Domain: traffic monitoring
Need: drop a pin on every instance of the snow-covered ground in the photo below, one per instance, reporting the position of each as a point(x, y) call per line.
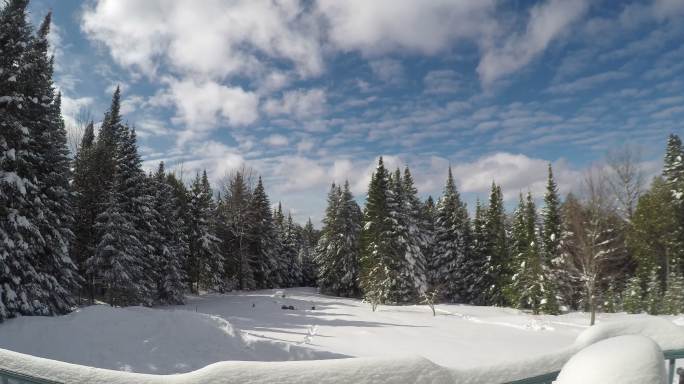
point(251, 326)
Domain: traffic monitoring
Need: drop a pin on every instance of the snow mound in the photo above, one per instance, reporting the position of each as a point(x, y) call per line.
point(662, 331)
point(628, 359)
point(357, 371)
point(143, 340)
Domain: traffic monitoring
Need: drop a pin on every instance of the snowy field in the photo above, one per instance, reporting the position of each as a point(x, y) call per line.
point(252, 326)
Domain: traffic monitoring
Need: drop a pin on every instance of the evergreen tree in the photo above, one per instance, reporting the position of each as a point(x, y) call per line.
point(263, 241)
point(478, 282)
point(416, 234)
point(654, 293)
point(377, 255)
point(633, 296)
point(307, 254)
point(337, 251)
point(452, 242)
point(290, 253)
point(499, 263)
point(673, 173)
point(86, 206)
point(528, 283)
point(19, 234)
point(610, 299)
point(170, 244)
point(204, 252)
point(235, 232)
point(673, 299)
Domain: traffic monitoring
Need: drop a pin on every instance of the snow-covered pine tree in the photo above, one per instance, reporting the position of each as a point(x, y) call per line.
point(51, 210)
point(407, 252)
point(203, 244)
point(610, 299)
point(632, 298)
point(283, 254)
point(554, 274)
point(19, 236)
point(673, 173)
point(528, 281)
point(480, 283)
point(673, 299)
point(291, 240)
point(452, 242)
point(169, 242)
point(263, 241)
point(307, 253)
point(234, 232)
point(85, 203)
point(337, 251)
point(499, 261)
point(654, 293)
point(416, 234)
point(429, 214)
point(377, 254)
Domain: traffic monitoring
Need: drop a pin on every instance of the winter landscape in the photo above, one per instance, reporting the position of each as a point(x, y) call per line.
point(445, 191)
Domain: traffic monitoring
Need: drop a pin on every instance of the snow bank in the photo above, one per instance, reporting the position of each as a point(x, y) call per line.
point(359, 371)
point(664, 332)
point(629, 359)
point(143, 340)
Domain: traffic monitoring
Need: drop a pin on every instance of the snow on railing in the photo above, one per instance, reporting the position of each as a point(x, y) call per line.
point(17, 368)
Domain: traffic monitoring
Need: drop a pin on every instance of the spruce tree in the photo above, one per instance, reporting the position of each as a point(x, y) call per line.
point(499, 263)
point(204, 246)
point(416, 234)
point(377, 254)
point(633, 296)
point(307, 254)
point(673, 299)
point(263, 241)
point(654, 293)
point(170, 244)
point(479, 282)
point(234, 230)
point(18, 233)
point(337, 251)
point(673, 173)
point(452, 243)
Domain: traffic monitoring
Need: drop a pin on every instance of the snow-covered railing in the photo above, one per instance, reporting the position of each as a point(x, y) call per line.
point(671, 357)
point(17, 368)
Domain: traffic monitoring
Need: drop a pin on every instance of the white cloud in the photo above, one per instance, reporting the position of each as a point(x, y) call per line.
point(203, 105)
point(298, 103)
point(547, 22)
point(514, 172)
point(380, 26)
point(390, 71)
point(441, 81)
point(215, 39)
point(276, 140)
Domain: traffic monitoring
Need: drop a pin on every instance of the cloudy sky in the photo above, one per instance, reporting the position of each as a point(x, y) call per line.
point(310, 92)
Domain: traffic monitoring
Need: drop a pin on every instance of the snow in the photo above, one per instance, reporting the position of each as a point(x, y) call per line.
point(630, 359)
point(462, 343)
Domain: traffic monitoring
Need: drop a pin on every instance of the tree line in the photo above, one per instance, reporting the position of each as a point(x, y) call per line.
point(613, 246)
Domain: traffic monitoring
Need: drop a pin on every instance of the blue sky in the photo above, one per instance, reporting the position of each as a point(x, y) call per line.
point(310, 92)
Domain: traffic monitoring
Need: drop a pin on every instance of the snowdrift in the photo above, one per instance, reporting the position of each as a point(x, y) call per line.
point(146, 340)
point(408, 369)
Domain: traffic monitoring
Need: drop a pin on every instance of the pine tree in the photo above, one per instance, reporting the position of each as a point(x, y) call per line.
point(234, 230)
point(337, 251)
point(673, 299)
point(416, 234)
point(377, 254)
point(610, 299)
point(204, 253)
point(290, 253)
point(263, 242)
point(654, 293)
point(452, 242)
point(478, 281)
point(528, 283)
point(170, 244)
point(19, 235)
point(307, 254)
point(633, 296)
point(673, 173)
point(499, 263)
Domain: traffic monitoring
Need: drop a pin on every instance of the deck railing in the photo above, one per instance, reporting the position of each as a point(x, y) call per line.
point(671, 356)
